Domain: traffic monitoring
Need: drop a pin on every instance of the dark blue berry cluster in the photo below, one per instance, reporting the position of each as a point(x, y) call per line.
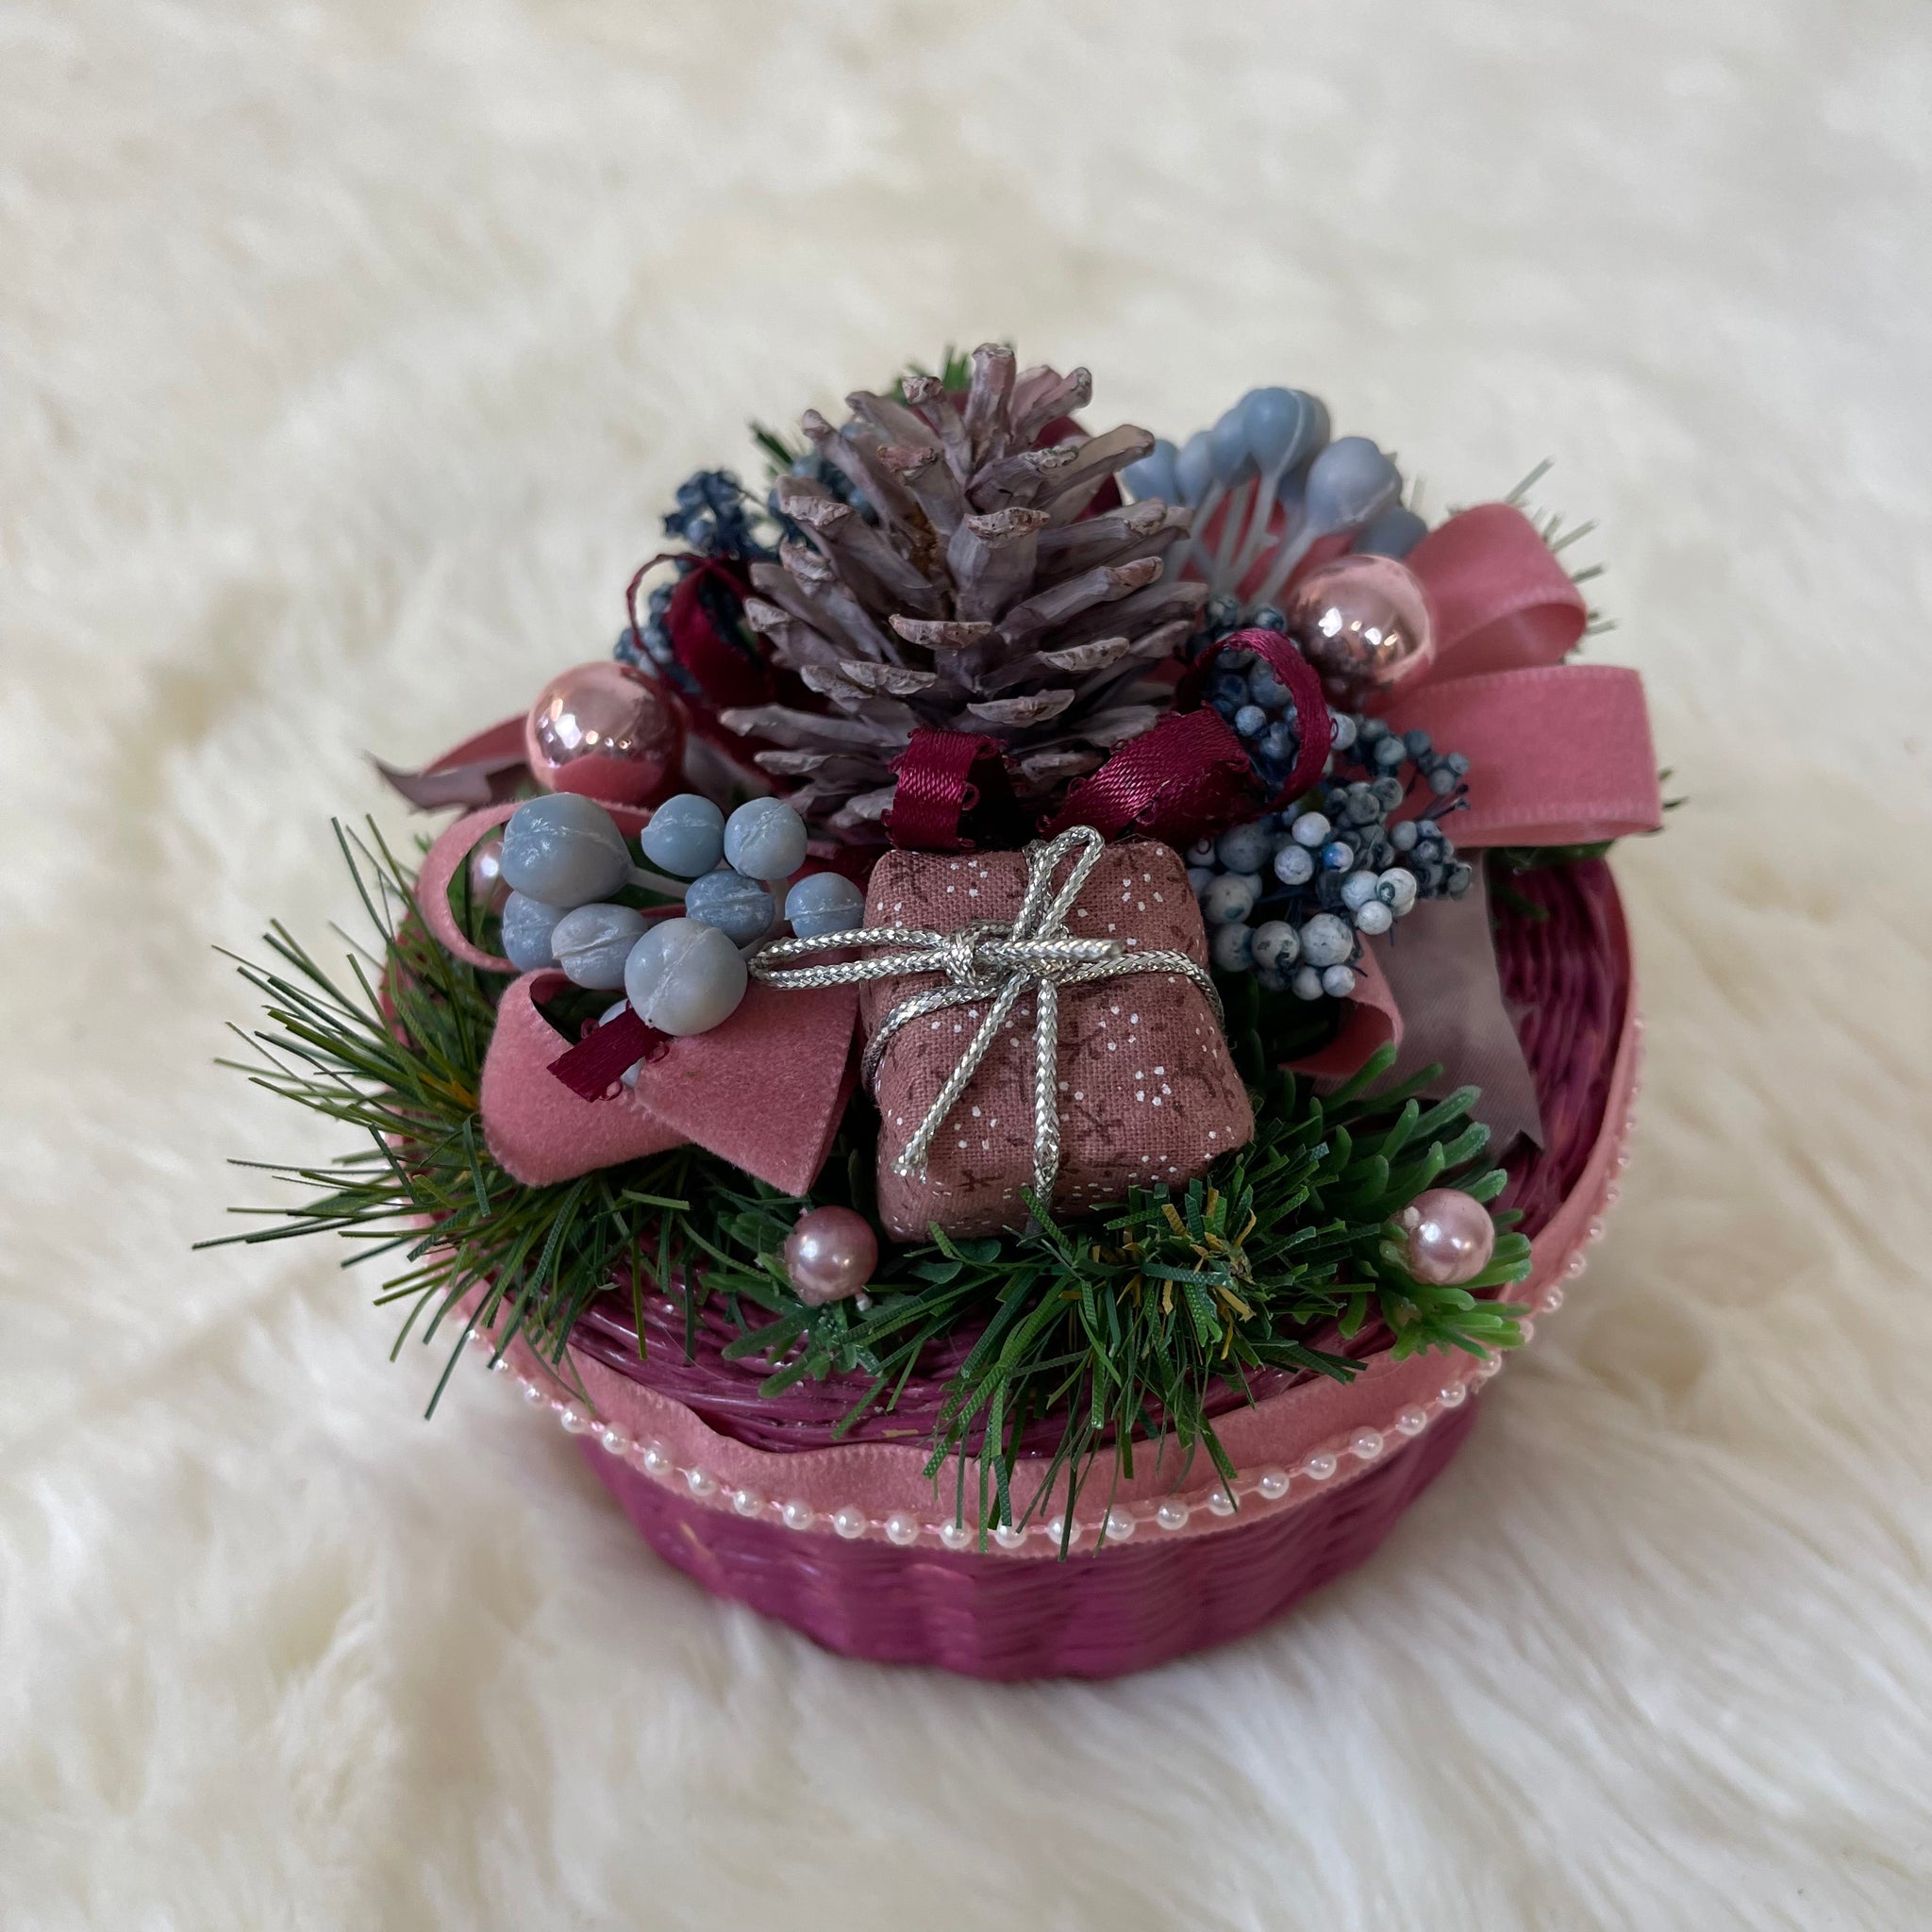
point(714, 517)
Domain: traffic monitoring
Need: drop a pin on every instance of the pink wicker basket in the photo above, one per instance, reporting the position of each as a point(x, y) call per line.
point(847, 1541)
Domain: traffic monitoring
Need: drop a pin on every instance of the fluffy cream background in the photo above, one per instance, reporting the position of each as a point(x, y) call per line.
point(346, 355)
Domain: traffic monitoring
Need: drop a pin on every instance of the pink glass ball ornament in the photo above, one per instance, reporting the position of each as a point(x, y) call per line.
point(489, 889)
point(606, 730)
point(1451, 1237)
point(829, 1255)
point(1364, 623)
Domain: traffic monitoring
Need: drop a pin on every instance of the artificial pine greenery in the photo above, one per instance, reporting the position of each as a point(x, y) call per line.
point(1131, 1324)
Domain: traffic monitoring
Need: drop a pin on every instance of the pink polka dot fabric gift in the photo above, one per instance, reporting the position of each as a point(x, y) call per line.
point(1146, 1090)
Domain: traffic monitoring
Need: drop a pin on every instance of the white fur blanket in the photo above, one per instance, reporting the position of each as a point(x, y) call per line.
point(348, 353)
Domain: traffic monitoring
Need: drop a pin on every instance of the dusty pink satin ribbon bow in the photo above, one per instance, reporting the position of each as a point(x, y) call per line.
point(1558, 754)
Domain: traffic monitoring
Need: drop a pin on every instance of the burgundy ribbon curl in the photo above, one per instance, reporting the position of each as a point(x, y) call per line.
point(1191, 775)
point(600, 1058)
point(944, 776)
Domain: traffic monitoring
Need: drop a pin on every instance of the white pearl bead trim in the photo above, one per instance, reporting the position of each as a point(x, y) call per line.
point(1122, 1520)
point(1267, 1488)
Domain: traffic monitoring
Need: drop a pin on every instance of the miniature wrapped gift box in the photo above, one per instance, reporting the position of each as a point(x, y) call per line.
point(1146, 1090)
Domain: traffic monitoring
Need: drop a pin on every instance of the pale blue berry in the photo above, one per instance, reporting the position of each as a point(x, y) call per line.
point(1442, 781)
point(741, 908)
point(1387, 752)
point(1311, 829)
point(1460, 880)
point(1387, 793)
point(1373, 917)
point(1275, 946)
point(593, 942)
point(1360, 889)
point(565, 850)
point(1362, 807)
point(1203, 852)
point(1306, 984)
point(1342, 729)
point(1200, 878)
point(1295, 865)
point(1403, 837)
point(1326, 941)
point(1250, 721)
point(823, 902)
point(1228, 900)
point(1396, 889)
point(1233, 948)
point(1265, 687)
point(528, 924)
point(1244, 848)
point(1394, 533)
point(1338, 982)
point(686, 836)
point(683, 978)
point(1417, 743)
point(1279, 743)
point(765, 839)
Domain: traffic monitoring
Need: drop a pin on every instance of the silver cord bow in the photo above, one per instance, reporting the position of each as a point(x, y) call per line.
point(994, 963)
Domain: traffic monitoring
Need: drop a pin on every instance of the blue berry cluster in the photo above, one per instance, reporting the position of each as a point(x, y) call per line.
point(1292, 896)
point(714, 517)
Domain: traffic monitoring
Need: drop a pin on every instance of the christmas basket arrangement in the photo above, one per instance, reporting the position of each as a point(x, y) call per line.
point(1013, 1062)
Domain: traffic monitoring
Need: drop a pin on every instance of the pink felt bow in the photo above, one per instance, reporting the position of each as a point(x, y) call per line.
point(766, 1090)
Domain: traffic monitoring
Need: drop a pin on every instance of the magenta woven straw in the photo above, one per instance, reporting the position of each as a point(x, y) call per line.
point(894, 1591)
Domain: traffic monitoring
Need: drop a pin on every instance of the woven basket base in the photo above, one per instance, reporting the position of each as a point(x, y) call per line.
point(1099, 1615)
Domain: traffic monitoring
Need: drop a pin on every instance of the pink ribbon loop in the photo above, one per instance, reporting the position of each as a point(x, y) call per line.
point(1560, 754)
point(481, 770)
point(1501, 598)
point(451, 852)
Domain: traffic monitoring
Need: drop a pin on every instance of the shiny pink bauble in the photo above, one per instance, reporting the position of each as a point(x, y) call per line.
point(1364, 623)
point(489, 889)
point(607, 731)
point(1451, 1237)
point(829, 1255)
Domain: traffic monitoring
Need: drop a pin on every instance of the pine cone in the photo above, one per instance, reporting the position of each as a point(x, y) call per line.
point(976, 595)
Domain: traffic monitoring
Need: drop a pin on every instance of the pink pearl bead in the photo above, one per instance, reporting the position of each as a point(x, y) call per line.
point(1451, 1237)
point(604, 729)
point(1363, 622)
point(830, 1254)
